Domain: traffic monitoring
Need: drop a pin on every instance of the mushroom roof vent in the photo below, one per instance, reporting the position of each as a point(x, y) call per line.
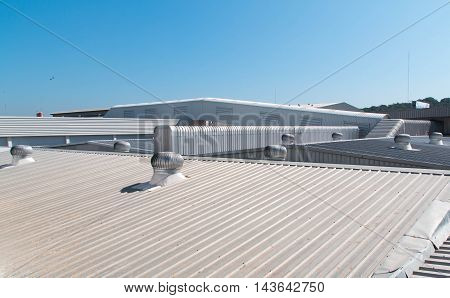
point(288, 139)
point(21, 154)
point(337, 136)
point(122, 146)
point(167, 161)
point(21, 150)
point(436, 138)
point(275, 152)
point(403, 142)
point(166, 169)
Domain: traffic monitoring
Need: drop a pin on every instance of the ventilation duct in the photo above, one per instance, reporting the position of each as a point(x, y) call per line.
point(202, 140)
point(21, 154)
point(337, 136)
point(122, 146)
point(275, 152)
point(166, 169)
point(436, 138)
point(403, 142)
point(288, 139)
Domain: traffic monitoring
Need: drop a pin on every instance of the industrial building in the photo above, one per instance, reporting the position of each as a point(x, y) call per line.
point(439, 115)
point(247, 113)
point(49, 131)
point(223, 188)
point(138, 121)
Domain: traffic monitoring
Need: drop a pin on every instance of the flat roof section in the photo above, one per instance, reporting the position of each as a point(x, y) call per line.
point(65, 215)
point(425, 155)
point(257, 104)
point(61, 126)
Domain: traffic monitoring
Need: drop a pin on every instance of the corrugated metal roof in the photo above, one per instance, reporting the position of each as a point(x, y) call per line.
point(317, 105)
point(144, 146)
point(198, 140)
point(429, 156)
point(62, 126)
point(426, 140)
point(65, 215)
point(343, 106)
point(438, 264)
point(259, 104)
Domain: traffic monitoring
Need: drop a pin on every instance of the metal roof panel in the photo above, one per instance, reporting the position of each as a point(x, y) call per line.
point(65, 215)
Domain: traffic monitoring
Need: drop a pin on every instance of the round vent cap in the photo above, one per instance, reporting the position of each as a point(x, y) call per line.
point(122, 146)
point(402, 138)
point(275, 152)
point(288, 139)
point(337, 136)
point(436, 138)
point(21, 150)
point(167, 161)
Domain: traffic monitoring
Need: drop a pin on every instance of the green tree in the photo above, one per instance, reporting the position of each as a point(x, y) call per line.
point(430, 100)
point(445, 101)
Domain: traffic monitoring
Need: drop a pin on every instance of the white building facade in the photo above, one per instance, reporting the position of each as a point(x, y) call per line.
point(247, 113)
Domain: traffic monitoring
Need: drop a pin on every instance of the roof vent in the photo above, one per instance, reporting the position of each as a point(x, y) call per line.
point(337, 136)
point(122, 146)
point(403, 142)
point(166, 168)
point(275, 152)
point(436, 138)
point(288, 139)
point(21, 154)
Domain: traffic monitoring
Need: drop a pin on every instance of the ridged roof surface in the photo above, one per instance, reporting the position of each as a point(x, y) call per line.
point(68, 126)
point(257, 104)
point(438, 264)
point(65, 216)
point(426, 155)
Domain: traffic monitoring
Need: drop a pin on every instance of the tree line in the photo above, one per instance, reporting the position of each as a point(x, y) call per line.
point(407, 106)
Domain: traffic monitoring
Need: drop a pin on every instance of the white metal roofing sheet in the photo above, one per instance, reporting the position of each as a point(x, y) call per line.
point(433, 156)
point(258, 104)
point(65, 215)
point(67, 126)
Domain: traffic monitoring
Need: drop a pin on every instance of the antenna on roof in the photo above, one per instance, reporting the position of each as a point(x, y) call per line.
point(407, 91)
point(275, 95)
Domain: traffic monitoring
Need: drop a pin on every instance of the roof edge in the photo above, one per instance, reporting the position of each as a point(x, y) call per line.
point(269, 162)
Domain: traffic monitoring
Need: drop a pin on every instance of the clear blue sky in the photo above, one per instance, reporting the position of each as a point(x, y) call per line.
point(230, 49)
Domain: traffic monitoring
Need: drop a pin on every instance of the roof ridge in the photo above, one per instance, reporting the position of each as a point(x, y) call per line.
point(266, 162)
